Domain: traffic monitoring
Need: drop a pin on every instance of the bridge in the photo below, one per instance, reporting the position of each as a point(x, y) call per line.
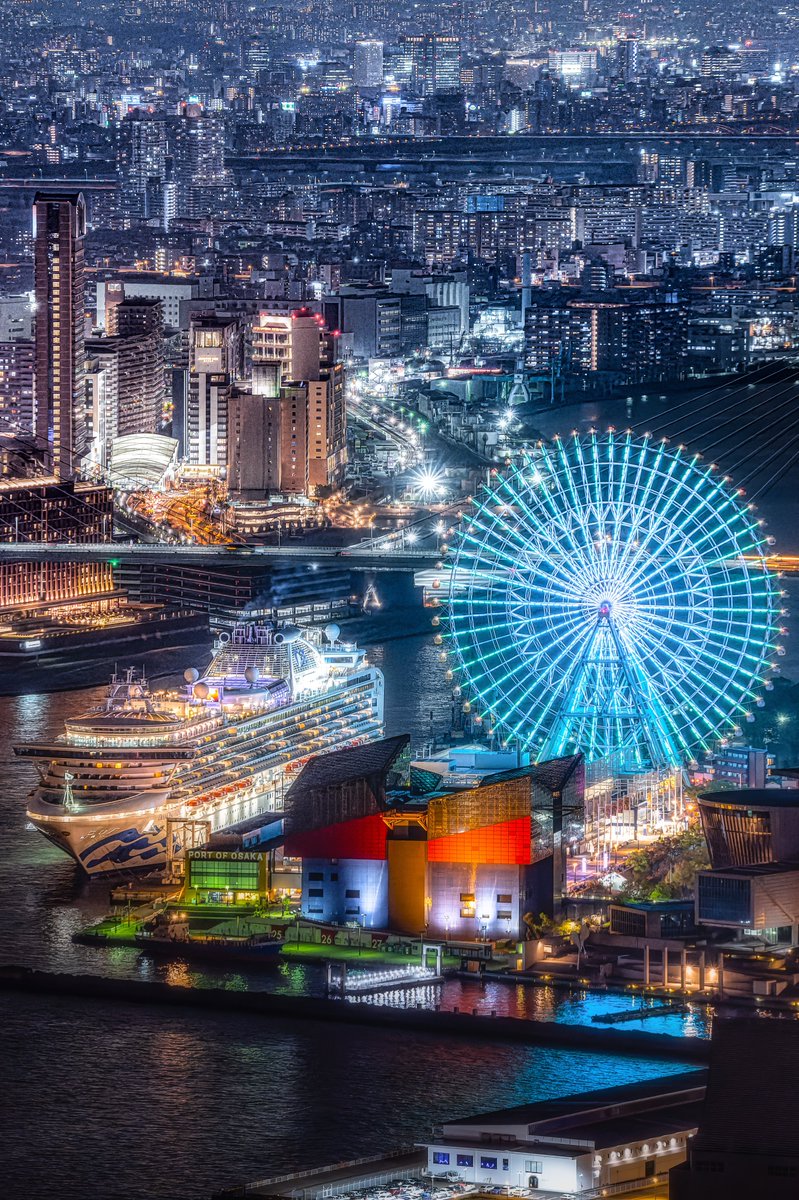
point(383, 553)
point(364, 556)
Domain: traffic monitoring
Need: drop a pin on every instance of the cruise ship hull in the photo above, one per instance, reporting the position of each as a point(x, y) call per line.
point(133, 784)
point(132, 834)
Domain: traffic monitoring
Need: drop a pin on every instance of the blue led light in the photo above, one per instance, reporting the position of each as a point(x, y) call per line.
point(601, 601)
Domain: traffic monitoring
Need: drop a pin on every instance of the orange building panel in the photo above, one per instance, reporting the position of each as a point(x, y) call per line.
point(506, 842)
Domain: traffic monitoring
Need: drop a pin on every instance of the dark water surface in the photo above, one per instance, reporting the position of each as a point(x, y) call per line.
point(116, 1101)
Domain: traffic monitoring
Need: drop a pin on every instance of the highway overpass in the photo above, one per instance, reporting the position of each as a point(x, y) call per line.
point(362, 557)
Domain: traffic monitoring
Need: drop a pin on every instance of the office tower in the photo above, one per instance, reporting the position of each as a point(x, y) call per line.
point(59, 379)
point(720, 62)
point(142, 164)
point(368, 64)
point(215, 361)
point(435, 63)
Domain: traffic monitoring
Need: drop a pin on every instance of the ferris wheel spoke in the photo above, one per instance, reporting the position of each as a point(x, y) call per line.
point(556, 521)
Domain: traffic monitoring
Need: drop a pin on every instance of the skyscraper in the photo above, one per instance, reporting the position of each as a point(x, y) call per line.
point(59, 381)
point(142, 164)
point(368, 64)
point(435, 63)
point(215, 361)
point(197, 143)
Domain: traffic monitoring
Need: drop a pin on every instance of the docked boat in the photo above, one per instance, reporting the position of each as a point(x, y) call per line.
point(136, 780)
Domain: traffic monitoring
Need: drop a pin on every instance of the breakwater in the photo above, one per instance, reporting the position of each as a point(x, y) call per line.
point(419, 1020)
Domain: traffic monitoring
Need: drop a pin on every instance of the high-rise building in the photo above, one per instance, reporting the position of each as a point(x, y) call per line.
point(59, 378)
point(628, 58)
point(142, 164)
point(126, 376)
point(215, 362)
point(435, 63)
point(197, 142)
point(368, 64)
point(303, 434)
point(16, 383)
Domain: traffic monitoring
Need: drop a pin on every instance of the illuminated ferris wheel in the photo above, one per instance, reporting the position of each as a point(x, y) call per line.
point(612, 595)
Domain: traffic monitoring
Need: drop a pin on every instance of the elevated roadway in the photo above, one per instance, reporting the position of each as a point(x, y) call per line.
point(383, 553)
point(361, 557)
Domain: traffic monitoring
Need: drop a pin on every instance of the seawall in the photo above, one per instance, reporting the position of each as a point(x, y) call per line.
point(420, 1020)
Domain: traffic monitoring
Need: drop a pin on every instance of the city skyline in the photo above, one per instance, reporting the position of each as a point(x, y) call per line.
point(399, 451)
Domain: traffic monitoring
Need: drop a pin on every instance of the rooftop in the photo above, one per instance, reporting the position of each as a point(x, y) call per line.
point(356, 762)
point(568, 1111)
point(754, 797)
point(752, 1103)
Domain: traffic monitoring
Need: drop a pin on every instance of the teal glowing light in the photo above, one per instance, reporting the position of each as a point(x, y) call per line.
point(612, 595)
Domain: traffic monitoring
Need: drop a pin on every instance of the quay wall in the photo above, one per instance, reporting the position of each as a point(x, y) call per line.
point(420, 1020)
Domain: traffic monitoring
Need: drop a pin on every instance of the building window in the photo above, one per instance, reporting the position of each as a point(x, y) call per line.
point(504, 898)
point(506, 1164)
point(534, 1166)
point(488, 1164)
point(504, 915)
point(316, 891)
point(352, 911)
point(465, 1160)
point(315, 876)
point(440, 1158)
point(351, 895)
point(315, 908)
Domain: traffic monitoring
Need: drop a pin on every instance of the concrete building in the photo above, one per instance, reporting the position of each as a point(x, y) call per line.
point(742, 766)
point(753, 841)
point(59, 228)
point(215, 362)
point(601, 1139)
point(171, 293)
point(295, 359)
point(367, 69)
point(17, 359)
point(16, 318)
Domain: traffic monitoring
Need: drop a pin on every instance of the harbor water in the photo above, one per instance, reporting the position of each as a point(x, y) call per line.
point(134, 1103)
point(127, 1102)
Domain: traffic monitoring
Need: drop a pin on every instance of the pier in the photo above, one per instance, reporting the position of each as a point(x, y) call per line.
point(640, 1014)
point(373, 983)
point(297, 1008)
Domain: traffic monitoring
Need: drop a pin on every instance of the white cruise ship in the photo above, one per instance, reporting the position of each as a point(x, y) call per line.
point(134, 781)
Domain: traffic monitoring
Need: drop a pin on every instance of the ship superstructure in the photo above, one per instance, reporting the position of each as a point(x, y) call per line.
point(122, 784)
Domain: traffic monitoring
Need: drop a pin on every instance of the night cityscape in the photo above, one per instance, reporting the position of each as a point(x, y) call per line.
point(399, 462)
